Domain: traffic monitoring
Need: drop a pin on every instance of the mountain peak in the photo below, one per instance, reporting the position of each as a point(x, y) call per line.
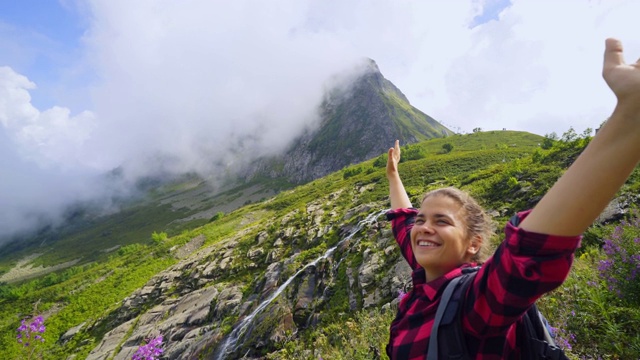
point(357, 123)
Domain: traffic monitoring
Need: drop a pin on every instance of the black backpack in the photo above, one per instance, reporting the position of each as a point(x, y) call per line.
point(447, 339)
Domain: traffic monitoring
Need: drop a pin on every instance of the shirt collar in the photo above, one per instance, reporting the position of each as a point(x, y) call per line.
point(430, 289)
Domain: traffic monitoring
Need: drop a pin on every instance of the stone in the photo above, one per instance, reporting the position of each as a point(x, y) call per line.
point(110, 341)
point(71, 332)
point(262, 237)
point(255, 254)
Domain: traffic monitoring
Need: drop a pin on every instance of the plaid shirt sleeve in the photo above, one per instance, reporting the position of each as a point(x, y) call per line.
point(402, 221)
point(524, 267)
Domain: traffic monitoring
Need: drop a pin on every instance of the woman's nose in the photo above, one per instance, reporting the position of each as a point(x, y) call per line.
point(425, 227)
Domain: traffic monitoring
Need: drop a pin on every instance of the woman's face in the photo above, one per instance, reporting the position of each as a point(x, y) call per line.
point(439, 237)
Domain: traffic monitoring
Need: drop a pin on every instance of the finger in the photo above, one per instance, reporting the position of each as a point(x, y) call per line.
point(613, 53)
point(397, 145)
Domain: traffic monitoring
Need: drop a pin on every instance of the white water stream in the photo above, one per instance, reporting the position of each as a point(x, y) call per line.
point(231, 341)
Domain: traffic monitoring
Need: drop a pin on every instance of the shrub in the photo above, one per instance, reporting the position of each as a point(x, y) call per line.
point(549, 140)
point(159, 238)
point(351, 172)
point(447, 148)
point(381, 161)
point(621, 266)
point(129, 249)
point(219, 215)
point(413, 153)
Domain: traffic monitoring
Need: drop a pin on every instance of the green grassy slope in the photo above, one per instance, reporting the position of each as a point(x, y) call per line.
point(505, 170)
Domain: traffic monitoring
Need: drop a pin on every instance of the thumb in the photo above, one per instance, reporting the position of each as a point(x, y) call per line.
point(612, 54)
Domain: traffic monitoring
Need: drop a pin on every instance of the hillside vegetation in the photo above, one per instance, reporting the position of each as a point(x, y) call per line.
point(195, 286)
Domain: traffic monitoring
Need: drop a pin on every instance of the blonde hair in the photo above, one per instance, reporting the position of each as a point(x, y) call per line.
point(477, 221)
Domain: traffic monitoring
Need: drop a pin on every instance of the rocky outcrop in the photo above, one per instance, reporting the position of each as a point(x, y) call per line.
point(197, 302)
point(356, 123)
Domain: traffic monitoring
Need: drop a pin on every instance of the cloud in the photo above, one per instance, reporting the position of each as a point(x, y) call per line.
point(538, 68)
point(200, 81)
point(201, 86)
point(50, 137)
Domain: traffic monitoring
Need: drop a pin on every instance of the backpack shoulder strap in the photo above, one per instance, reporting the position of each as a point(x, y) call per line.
point(447, 337)
point(538, 342)
point(447, 314)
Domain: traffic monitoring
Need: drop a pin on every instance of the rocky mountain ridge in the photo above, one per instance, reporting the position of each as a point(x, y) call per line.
point(357, 123)
point(189, 304)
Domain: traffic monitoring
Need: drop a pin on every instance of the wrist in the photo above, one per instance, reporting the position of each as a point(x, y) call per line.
point(628, 109)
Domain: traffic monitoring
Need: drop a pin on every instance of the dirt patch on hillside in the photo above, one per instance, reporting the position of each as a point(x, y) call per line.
point(24, 269)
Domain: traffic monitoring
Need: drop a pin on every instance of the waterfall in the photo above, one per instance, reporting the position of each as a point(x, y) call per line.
point(230, 342)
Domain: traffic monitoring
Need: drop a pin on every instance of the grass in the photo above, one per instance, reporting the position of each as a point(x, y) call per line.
point(482, 163)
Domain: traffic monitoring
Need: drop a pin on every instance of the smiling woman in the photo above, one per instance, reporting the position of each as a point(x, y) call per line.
point(442, 239)
point(446, 215)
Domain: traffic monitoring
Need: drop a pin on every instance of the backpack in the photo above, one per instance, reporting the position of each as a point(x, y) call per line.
point(447, 339)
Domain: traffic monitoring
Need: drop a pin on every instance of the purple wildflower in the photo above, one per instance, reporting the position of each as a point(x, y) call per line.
point(621, 266)
point(563, 343)
point(401, 294)
point(151, 351)
point(26, 331)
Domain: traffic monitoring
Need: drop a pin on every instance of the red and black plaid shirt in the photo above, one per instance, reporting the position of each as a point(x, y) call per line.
point(524, 267)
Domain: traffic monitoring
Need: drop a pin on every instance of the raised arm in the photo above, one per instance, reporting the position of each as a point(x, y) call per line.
point(584, 190)
point(397, 194)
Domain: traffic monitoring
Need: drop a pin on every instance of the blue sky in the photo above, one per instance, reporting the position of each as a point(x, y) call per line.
point(205, 86)
point(41, 39)
point(490, 11)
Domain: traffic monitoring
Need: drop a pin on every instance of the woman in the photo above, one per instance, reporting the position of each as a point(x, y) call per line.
point(449, 232)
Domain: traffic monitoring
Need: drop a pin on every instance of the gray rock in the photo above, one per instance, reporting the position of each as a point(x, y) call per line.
point(228, 302)
point(71, 332)
point(255, 254)
point(191, 246)
point(262, 237)
point(110, 341)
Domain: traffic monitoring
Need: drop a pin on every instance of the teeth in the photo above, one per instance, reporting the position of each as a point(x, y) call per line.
point(426, 243)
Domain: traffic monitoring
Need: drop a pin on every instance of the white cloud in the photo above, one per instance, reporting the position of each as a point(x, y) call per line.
point(538, 68)
point(193, 84)
point(50, 137)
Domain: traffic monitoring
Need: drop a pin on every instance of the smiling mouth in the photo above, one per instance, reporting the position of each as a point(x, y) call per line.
point(425, 243)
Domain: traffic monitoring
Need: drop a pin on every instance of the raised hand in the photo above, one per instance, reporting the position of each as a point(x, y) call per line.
point(393, 159)
point(622, 78)
point(397, 194)
point(584, 190)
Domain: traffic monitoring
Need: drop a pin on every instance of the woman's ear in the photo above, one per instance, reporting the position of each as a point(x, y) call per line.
point(474, 245)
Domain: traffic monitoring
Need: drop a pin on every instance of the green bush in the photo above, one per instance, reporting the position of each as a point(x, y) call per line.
point(219, 215)
point(413, 152)
point(549, 140)
point(381, 161)
point(352, 171)
point(621, 266)
point(130, 249)
point(159, 238)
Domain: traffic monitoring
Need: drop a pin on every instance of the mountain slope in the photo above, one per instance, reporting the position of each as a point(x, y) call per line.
point(195, 288)
point(356, 124)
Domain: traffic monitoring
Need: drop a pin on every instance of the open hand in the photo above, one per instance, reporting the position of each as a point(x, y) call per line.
point(622, 78)
point(393, 159)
